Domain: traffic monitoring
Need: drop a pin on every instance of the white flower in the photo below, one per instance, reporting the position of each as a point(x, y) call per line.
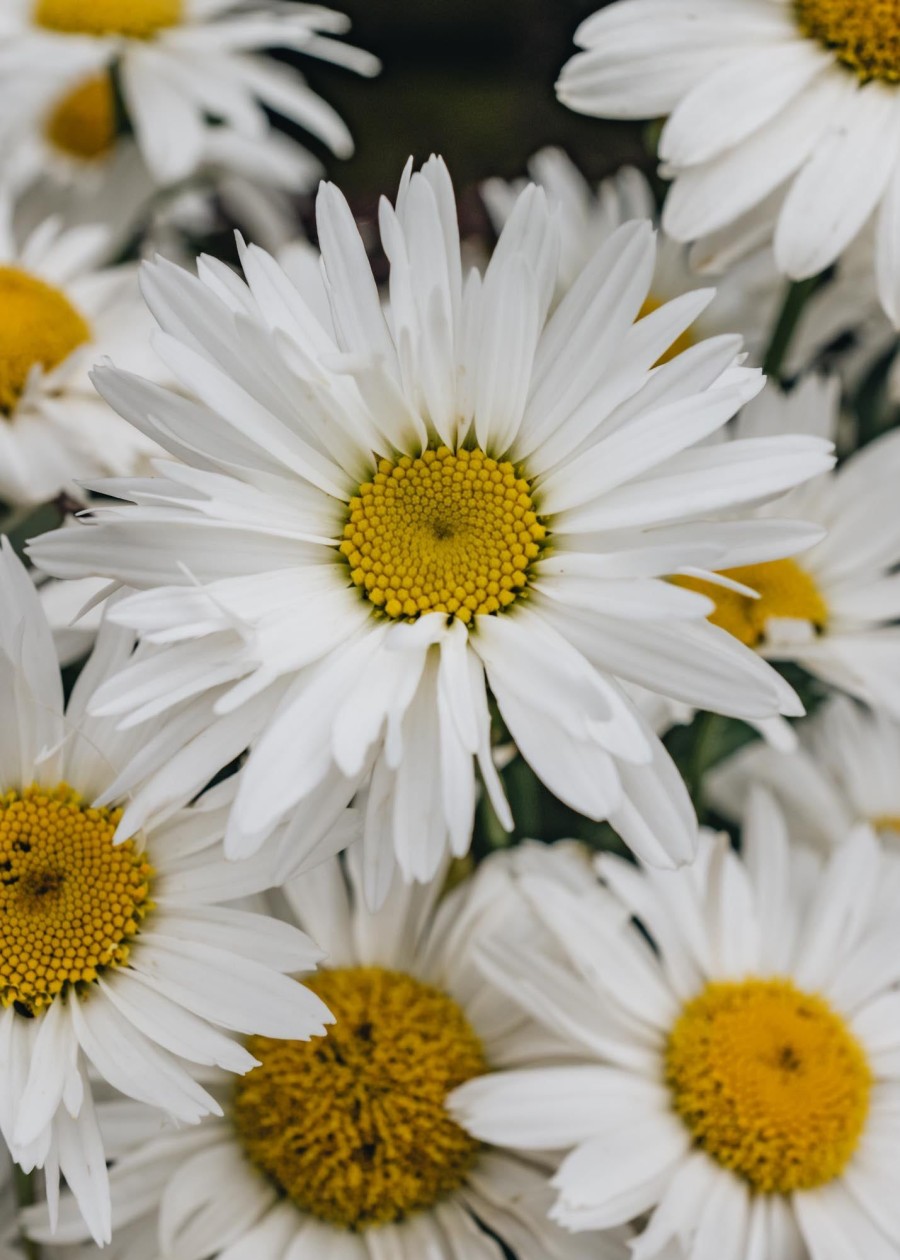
point(61, 312)
point(793, 105)
point(115, 960)
point(739, 1071)
point(834, 609)
point(378, 515)
point(177, 64)
point(344, 1147)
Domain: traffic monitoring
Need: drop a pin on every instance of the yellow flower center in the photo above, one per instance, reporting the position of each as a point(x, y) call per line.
point(449, 532)
point(352, 1127)
point(82, 124)
point(39, 326)
point(785, 590)
point(680, 344)
point(863, 34)
point(771, 1083)
point(136, 19)
point(70, 900)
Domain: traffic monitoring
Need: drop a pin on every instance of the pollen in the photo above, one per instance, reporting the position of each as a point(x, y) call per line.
point(771, 1083)
point(82, 124)
point(864, 35)
point(71, 900)
point(449, 532)
point(353, 1127)
point(681, 343)
point(135, 19)
point(40, 328)
point(785, 590)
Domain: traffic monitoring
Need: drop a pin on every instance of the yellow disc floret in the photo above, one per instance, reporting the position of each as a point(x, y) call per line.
point(136, 19)
point(82, 124)
point(681, 343)
point(770, 1081)
point(39, 327)
point(864, 35)
point(785, 590)
point(450, 532)
point(70, 899)
point(353, 1127)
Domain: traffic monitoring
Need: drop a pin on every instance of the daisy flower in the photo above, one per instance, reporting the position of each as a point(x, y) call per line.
point(62, 310)
point(789, 104)
point(175, 64)
point(115, 958)
point(738, 1043)
point(344, 1147)
point(380, 514)
point(833, 610)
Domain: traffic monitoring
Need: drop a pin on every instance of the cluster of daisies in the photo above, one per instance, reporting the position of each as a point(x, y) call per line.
point(348, 585)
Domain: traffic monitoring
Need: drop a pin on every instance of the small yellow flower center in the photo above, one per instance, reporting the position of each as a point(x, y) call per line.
point(82, 124)
point(352, 1127)
point(39, 326)
point(450, 532)
point(771, 1083)
point(135, 19)
point(785, 590)
point(863, 34)
point(889, 823)
point(680, 344)
point(70, 900)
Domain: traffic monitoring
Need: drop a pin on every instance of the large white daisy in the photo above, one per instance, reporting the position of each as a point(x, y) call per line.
point(343, 1147)
point(379, 515)
point(114, 958)
point(62, 310)
point(175, 65)
point(739, 1039)
point(789, 104)
point(834, 609)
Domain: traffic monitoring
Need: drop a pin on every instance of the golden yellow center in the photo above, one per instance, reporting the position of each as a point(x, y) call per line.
point(785, 590)
point(771, 1083)
point(39, 327)
point(82, 124)
point(680, 344)
point(863, 34)
point(136, 19)
point(450, 532)
point(70, 900)
point(352, 1127)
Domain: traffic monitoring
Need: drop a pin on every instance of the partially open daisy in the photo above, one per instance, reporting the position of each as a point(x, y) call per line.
point(115, 959)
point(738, 1039)
point(834, 608)
point(794, 104)
point(178, 68)
point(343, 1146)
point(61, 312)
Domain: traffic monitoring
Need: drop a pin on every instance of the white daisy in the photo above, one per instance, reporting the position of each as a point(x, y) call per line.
point(344, 1147)
point(794, 104)
point(62, 310)
point(739, 1044)
point(114, 958)
point(175, 65)
point(377, 514)
point(832, 610)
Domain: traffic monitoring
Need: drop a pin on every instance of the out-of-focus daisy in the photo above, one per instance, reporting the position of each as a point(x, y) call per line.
point(344, 1147)
point(62, 310)
point(739, 1041)
point(832, 609)
point(114, 958)
point(841, 320)
point(172, 65)
point(790, 104)
point(379, 515)
point(844, 772)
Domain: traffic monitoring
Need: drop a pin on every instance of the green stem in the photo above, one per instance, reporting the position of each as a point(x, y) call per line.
point(705, 727)
point(26, 1195)
point(795, 299)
